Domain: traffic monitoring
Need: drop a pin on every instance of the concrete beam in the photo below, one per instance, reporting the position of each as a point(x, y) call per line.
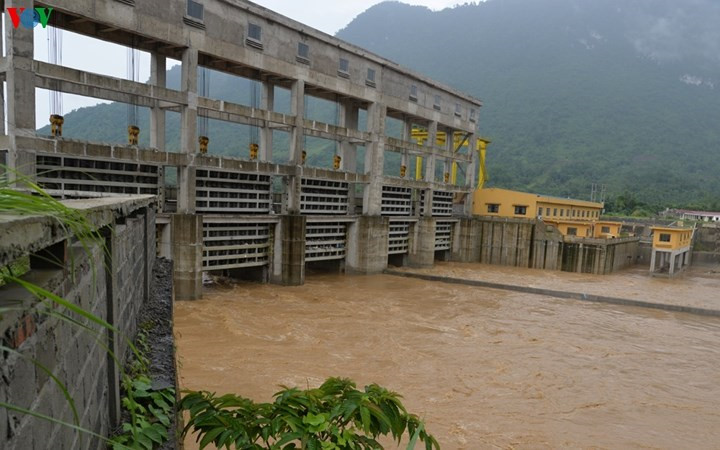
point(80, 82)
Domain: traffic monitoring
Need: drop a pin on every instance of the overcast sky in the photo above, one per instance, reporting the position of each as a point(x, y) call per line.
point(108, 59)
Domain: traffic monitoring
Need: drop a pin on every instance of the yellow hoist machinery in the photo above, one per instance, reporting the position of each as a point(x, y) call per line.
point(254, 149)
point(304, 157)
point(133, 134)
point(403, 171)
point(336, 162)
point(204, 141)
point(56, 123)
point(459, 141)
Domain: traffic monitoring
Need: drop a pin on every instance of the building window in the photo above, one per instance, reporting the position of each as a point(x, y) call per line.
point(573, 213)
point(254, 36)
point(664, 237)
point(413, 92)
point(303, 53)
point(436, 103)
point(370, 80)
point(458, 110)
point(195, 10)
point(493, 208)
point(255, 32)
point(605, 230)
point(572, 231)
point(520, 210)
point(555, 212)
point(472, 115)
point(344, 68)
point(562, 212)
point(540, 211)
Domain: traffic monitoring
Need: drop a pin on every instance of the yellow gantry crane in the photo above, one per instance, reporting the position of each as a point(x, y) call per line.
point(460, 140)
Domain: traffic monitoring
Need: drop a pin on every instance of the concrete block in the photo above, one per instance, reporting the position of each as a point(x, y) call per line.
point(46, 354)
point(421, 253)
point(98, 151)
point(467, 241)
point(72, 147)
point(22, 386)
point(367, 246)
point(126, 153)
point(4, 428)
point(152, 156)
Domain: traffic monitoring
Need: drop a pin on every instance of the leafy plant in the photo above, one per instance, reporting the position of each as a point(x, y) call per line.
point(150, 409)
point(334, 416)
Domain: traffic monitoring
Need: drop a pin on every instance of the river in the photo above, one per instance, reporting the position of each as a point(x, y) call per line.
point(486, 368)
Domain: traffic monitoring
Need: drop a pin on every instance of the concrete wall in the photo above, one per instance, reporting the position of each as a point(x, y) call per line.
point(113, 285)
point(599, 256)
point(707, 238)
point(533, 244)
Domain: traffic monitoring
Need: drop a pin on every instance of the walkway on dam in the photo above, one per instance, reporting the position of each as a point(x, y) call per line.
point(695, 291)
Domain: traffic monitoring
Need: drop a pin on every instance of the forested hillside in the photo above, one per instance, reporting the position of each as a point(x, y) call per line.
point(620, 92)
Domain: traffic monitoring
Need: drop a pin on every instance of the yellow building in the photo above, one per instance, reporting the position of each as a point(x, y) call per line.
point(506, 203)
point(671, 249)
point(666, 238)
point(607, 230)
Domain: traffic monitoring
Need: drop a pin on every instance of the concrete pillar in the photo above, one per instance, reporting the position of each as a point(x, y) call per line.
point(188, 131)
point(422, 243)
point(293, 250)
point(673, 257)
point(470, 175)
point(581, 256)
point(367, 250)
point(407, 137)
point(652, 261)
point(158, 73)
point(165, 247)
point(266, 136)
point(430, 169)
point(430, 159)
point(20, 80)
point(349, 114)
point(187, 233)
point(297, 108)
point(297, 146)
point(276, 264)
point(467, 241)
point(375, 160)
point(449, 150)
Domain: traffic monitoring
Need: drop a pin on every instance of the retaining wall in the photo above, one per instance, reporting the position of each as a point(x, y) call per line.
point(111, 284)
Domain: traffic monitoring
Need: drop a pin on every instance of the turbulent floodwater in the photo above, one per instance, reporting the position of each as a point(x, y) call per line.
point(486, 368)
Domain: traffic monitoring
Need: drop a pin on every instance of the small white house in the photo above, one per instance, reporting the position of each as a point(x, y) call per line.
point(704, 216)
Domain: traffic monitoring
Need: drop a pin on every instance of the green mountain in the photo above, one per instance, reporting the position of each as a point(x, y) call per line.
point(624, 93)
point(620, 92)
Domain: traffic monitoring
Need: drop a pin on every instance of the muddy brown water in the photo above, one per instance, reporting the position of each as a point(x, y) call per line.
point(486, 368)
